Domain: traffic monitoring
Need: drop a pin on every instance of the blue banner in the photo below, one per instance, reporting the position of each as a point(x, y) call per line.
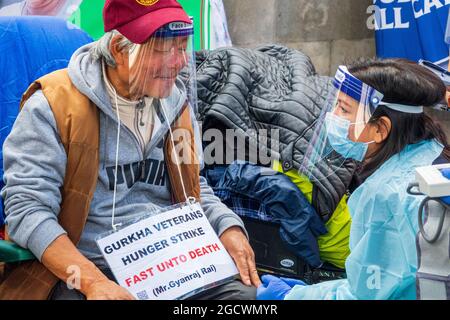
point(411, 29)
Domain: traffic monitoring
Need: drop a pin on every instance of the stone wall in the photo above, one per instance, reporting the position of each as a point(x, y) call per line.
point(330, 31)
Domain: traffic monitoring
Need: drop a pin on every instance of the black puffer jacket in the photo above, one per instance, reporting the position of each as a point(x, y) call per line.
point(271, 87)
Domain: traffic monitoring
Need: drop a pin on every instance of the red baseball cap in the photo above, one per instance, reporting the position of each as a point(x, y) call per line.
point(137, 20)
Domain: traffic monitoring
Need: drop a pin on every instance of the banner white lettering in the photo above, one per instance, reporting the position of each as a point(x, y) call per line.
point(393, 17)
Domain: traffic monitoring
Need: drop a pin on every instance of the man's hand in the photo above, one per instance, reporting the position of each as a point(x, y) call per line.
point(237, 245)
point(62, 254)
point(106, 289)
point(447, 96)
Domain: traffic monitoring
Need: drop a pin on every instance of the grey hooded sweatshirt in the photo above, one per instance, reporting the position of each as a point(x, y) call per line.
point(35, 163)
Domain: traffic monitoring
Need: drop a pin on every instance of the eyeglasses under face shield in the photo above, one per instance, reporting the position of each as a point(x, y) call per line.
point(164, 65)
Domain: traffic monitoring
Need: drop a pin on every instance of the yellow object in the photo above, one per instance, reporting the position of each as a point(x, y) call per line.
point(333, 246)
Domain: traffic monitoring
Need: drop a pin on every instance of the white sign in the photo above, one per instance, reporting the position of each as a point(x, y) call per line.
point(168, 256)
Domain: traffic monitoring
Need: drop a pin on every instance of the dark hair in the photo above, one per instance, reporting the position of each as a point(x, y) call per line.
point(403, 82)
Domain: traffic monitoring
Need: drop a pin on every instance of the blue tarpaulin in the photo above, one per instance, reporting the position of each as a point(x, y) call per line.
point(447, 33)
point(31, 47)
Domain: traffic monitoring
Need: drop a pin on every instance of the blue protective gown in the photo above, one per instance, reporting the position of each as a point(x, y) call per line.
point(383, 259)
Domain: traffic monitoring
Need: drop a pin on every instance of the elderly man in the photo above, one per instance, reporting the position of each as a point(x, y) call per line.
point(93, 148)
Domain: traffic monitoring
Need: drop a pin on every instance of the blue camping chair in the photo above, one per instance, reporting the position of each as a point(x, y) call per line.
point(30, 47)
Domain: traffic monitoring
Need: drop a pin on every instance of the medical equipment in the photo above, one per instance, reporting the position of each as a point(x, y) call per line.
point(433, 274)
point(443, 74)
point(432, 181)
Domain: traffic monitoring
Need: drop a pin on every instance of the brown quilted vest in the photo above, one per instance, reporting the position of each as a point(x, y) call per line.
point(77, 120)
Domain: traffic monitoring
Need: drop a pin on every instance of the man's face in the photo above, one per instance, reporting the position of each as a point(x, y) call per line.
point(155, 65)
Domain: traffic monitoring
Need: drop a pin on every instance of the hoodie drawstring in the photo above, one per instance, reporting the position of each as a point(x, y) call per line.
point(114, 226)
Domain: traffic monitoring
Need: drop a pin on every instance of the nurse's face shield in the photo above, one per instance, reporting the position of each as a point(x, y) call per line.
point(340, 130)
point(354, 101)
point(163, 64)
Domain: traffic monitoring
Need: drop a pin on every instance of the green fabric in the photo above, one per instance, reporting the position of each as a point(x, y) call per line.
point(89, 17)
point(333, 246)
point(199, 10)
point(11, 252)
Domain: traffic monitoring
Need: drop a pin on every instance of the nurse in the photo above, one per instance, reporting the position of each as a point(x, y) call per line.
point(375, 117)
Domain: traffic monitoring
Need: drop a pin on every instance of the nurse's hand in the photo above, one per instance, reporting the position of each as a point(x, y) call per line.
point(106, 289)
point(274, 288)
point(237, 245)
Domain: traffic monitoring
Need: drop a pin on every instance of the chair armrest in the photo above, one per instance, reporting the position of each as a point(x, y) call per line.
point(11, 252)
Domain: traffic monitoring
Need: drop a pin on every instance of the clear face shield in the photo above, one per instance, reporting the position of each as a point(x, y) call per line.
point(164, 66)
point(340, 129)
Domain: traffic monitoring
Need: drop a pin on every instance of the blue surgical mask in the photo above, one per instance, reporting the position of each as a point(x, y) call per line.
point(337, 134)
